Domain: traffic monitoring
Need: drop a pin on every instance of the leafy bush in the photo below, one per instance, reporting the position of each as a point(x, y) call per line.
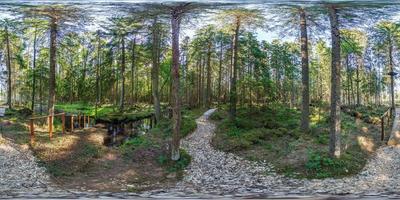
point(322, 139)
point(255, 136)
point(248, 123)
point(317, 163)
point(180, 164)
point(320, 165)
point(218, 115)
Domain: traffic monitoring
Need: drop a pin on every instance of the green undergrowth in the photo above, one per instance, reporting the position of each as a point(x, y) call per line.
point(370, 113)
point(103, 111)
point(273, 134)
point(156, 143)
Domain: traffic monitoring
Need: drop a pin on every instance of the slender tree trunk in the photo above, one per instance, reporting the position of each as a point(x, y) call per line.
point(305, 114)
point(98, 74)
point(220, 72)
point(41, 91)
point(202, 92)
point(83, 82)
point(123, 63)
point(176, 107)
point(334, 142)
point(358, 81)
point(391, 73)
point(199, 82)
point(9, 75)
point(133, 70)
point(348, 80)
point(34, 71)
point(208, 90)
point(71, 81)
point(155, 70)
point(53, 60)
point(233, 92)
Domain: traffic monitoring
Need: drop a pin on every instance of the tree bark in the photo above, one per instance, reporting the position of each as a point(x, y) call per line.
point(334, 142)
point(34, 71)
point(176, 107)
point(305, 114)
point(155, 70)
point(208, 90)
point(358, 80)
point(220, 73)
point(233, 92)
point(53, 60)
point(133, 68)
point(348, 80)
point(391, 73)
point(123, 63)
point(98, 74)
point(9, 75)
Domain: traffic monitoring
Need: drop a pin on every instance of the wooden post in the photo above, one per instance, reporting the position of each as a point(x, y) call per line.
point(72, 123)
point(32, 127)
point(382, 129)
point(63, 123)
point(50, 126)
point(88, 120)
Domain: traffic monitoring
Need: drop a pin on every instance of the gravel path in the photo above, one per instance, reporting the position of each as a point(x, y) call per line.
point(19, 171)
point(216, 172)
point(212, 174)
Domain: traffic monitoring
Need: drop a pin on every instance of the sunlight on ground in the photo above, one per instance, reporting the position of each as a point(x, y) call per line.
point(64, 143)
point(110, 156)
point(96, 136)
point(366, 143)
point(364, 129)
point(394, 138)
point(6, 148)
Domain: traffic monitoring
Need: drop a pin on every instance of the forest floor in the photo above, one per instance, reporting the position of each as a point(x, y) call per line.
point(215, 174)
point(81, 161)
point(272, 134)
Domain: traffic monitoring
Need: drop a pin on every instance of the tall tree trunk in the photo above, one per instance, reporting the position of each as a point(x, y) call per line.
point(155, 70)
point(199, 82)
point(220, 72)
point(305, 114)
point(41, 91)
point(133, 70)
point(98, 73)
point(34, 71)
point(9, 82)
point(208, 92)
point(202, 92)
point(348, 80)
point(391, 73)
point(176, 107)
point(83, 82)
point(334, 142)
point(233, 92)
point(53, 60)
point(122, 98)
point(358, 80)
